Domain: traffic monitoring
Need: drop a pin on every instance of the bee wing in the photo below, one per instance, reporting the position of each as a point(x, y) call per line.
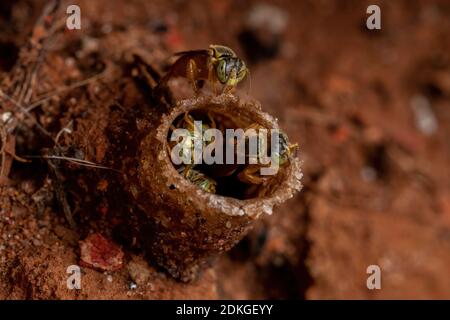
point(191, 53)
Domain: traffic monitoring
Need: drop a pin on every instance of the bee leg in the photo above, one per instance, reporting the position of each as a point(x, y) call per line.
point(192, 75)
point(187, 170)
point(211, 77)
point(248, 175)
point(293, 149)
point(231, 83)
point(227, 89)
point(163, 93)
point(189, 120)
point(211, 120)
point(168, 96)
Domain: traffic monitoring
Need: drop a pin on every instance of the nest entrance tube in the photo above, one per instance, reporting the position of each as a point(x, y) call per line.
point(221, 177)
point(186, 226)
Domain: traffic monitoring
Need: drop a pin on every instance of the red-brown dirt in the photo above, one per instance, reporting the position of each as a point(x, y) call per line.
point(376, 172)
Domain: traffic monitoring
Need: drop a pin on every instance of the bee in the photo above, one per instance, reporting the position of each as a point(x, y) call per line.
point(199, 179)
point(230, 69)
point(194, 176)
point(194, 133)
point(286, 150)
point(216, 64)
point(250, 174)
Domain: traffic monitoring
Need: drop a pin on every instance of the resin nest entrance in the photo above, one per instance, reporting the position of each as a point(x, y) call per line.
point(212, 150)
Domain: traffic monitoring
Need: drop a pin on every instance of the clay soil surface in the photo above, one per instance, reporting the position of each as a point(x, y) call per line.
point(369, 109)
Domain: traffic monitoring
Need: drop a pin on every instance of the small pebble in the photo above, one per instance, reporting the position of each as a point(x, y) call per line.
point(107, 28)
point(271, 17)
point(424, 116)
point(6, 116)
point(70, 62)
point(368, 174)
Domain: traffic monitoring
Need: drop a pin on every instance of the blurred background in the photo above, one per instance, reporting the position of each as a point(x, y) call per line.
point(370, 110)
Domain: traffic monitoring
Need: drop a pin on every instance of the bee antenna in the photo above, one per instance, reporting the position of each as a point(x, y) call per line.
point(249, 87)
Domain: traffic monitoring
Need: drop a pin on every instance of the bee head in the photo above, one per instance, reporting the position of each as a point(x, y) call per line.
point(231, 70)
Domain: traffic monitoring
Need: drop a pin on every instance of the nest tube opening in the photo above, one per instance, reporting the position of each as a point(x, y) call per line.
point(187, 225)
point(220, 136)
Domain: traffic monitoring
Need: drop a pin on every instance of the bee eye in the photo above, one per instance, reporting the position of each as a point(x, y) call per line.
point(221, 71)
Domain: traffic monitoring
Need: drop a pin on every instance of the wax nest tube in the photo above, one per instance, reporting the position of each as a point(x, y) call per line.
point(187, 226)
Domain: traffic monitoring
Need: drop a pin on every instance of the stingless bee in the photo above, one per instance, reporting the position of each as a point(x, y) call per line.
point(286, 149)
point(199, 179)
point(194, 176)
point(251, 175)
point(188, 122)
point(216, 64)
